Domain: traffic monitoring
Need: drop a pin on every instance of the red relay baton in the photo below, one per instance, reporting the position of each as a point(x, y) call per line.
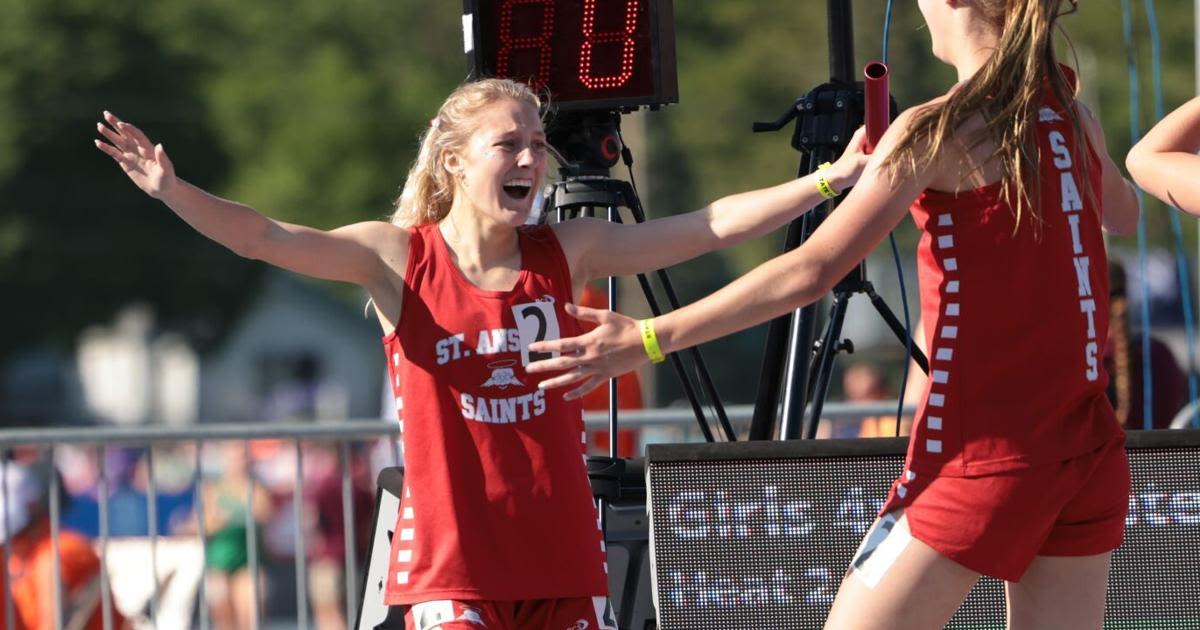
point(875, 84)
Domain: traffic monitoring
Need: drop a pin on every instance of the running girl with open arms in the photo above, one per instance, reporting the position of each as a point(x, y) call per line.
point(497, 525)
point(1016, 467)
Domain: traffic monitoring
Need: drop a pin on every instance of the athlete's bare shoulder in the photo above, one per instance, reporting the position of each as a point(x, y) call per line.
point(391, 244)
point(389, 241)
point(963, 158)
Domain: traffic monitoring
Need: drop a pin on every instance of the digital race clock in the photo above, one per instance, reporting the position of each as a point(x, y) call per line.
point(587, 54)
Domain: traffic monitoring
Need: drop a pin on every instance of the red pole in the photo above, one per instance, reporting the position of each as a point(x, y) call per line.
point(875, 83)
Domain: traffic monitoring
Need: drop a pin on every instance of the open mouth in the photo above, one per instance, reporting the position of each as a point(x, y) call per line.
point(518, 188)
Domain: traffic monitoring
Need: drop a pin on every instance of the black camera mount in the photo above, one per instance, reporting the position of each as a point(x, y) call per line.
point(797, 365)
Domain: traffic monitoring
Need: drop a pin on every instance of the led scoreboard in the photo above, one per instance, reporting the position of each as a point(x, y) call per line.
point(757, 535)
point(587, 54)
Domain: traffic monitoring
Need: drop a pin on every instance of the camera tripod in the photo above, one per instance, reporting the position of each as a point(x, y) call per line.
point(590, 144)
point(797, 365)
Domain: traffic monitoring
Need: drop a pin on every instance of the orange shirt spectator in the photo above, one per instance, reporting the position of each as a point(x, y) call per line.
point(31, 558)
point(31, 567)
point(863, 383)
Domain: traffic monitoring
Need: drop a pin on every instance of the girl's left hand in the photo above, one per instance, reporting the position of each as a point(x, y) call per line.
point(613, 348)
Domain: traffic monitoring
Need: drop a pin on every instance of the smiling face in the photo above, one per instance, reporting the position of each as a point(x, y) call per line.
point(499, 170)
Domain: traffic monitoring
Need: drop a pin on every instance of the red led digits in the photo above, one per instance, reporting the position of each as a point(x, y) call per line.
point(583, 54)
point(541, 42)
point(591, 38)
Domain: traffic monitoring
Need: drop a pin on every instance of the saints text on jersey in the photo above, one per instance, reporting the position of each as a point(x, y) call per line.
point(489, 344)
point(1072, 205)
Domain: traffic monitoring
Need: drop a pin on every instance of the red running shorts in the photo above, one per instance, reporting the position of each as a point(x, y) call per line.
point(997, 524)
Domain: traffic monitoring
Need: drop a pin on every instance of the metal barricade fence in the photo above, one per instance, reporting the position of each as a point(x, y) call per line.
point(48, 443)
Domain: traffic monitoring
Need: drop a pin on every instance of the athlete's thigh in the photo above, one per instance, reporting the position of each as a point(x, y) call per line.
point(1059, 592)
point(897, 582)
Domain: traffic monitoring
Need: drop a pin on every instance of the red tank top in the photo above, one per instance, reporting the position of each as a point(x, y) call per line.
point(497, 503)
point(1015, 323)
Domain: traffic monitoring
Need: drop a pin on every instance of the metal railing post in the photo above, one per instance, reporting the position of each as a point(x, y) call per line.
point(202, 533)
point(301, 548)
point(351, 562)
point(152, 529)
point(102, 505)
point(251, 535)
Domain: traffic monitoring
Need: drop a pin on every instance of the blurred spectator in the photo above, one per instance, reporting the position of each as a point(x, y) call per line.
point(32, 557)
point(917, 380)
point(228, 582)
point(128, 475)
point(1123, 362)
point(295, 398)
point(295, 389)
point(863, 383)
point(326, 533)
point(80, 477)
point(323, 516)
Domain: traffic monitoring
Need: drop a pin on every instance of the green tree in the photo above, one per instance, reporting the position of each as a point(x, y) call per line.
point(77, 242)
point(307, 110)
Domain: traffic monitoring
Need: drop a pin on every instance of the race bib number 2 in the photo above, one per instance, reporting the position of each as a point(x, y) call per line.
point(536, 321)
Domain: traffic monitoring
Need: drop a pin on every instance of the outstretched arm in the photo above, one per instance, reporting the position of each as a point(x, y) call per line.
point(598, 248)
point(350, 253)
point(778, 286)
point(1164, 163)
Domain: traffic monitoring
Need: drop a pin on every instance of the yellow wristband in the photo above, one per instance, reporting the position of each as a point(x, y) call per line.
point(823, 185)
point(650, 341)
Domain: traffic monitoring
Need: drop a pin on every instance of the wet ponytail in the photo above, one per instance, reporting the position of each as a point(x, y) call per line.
point(1008, 92)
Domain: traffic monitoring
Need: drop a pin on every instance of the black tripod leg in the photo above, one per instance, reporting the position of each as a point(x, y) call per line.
point(829, 349)
point(898, 329)
point(575, 197)
point(613, 217)
point(677, 363)
point(770, 379)
point(804, 323)
point(706, 381)
point(775, 358)
point(797, 374)
point(630, 588)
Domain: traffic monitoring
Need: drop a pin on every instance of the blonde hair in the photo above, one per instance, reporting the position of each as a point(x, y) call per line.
point(1008, 92)
point(429, 189)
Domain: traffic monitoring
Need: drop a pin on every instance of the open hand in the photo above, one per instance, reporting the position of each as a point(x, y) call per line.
point(613, 348)
point(144, 162)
